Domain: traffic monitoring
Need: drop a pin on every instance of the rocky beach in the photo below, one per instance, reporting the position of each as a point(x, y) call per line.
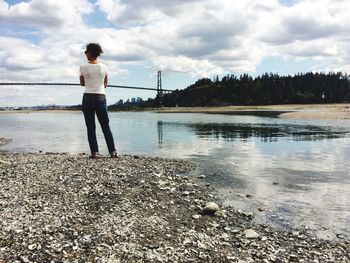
point(69, 208)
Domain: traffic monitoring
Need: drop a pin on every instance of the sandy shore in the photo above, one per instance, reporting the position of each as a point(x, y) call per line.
point(292, 111)
point(69, 208)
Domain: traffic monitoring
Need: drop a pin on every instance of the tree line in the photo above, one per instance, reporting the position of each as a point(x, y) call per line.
point(269, 88)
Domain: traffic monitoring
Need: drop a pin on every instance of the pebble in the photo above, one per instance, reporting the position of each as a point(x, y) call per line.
point(32, 247)
point(221, 213)
point(210, 208)
point(196, 216)
point(250, 234)
point(25, 259)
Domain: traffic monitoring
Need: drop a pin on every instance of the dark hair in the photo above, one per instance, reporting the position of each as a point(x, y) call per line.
point(94, 49)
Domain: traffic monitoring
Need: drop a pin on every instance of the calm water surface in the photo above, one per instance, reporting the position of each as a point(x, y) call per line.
point(289, 173)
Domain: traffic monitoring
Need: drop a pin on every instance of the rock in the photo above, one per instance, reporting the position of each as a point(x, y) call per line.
point(246, 214)
point(187, 242)
point(25, 259)
point(340, 236)
point(196, 216)
point(32, 247)
point(250, 234)
point(4, 162)
point(86, 240)
point(221, 213)
point(225, 237)
point(202, 176)
point(210, 208)
point(293, 258)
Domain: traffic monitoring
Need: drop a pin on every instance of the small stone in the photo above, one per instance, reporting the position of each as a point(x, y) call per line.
point(250, 234)
point(225, 237)
point(4, 162)
point(86, 240)
point(293, 257)
point(185, 193)
point(264, 239)
point(340, 236)
point(246, 214)
point(210, 208)
point(196, 216)
point(187, 242)
point(202, 176)
point(25, 259)
point(221, 213)
point(32, 247)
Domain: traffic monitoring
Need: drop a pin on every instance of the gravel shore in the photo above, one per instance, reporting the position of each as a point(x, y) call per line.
point(69, 208)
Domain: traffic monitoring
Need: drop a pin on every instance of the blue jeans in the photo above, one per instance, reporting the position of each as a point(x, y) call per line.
point(96, 103)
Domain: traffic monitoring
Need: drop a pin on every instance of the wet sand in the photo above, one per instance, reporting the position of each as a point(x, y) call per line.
point(291, 111)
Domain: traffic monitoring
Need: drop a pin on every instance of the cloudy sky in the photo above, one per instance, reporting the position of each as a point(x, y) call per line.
point(44, 40)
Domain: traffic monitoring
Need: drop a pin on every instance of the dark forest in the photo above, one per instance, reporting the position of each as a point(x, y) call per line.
point(266, 89)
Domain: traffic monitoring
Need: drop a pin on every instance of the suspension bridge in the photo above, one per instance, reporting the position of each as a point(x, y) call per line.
point(159, 88)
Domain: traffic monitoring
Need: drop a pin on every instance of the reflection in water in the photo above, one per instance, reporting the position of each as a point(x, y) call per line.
point(160, 133)
point(267, 132)
point(293, 172)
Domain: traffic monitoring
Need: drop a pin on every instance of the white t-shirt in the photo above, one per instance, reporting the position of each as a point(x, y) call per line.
point(94, 75)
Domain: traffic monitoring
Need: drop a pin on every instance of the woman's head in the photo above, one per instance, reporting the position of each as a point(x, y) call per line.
point(93, 49)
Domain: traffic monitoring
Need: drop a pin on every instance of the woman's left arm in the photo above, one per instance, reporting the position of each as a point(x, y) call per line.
point(105, 82)
point(82, 80)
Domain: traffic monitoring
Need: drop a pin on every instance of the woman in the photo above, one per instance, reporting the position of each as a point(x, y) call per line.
point(94, 77)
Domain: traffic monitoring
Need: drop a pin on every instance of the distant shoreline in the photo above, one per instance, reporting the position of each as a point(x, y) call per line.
point(290, 111)
point(337, 111)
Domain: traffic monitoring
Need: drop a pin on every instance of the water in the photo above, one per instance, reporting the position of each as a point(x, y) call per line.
point(290, 173)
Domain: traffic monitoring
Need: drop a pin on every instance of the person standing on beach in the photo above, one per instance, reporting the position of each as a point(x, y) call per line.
point(94, 77)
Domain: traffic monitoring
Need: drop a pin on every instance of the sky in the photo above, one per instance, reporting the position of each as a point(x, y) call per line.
point(44, 41)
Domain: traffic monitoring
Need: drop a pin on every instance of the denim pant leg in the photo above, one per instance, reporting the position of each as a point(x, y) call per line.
point(89, 115)
point(102, 116)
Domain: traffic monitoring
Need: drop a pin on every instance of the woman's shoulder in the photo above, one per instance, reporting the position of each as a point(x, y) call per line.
point(102, 65)
point(89, 65)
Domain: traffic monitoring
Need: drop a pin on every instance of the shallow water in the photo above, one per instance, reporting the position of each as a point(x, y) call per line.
point(290, 173)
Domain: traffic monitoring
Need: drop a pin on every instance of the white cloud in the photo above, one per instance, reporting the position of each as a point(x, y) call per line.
point(46, 14)
point(199, 38)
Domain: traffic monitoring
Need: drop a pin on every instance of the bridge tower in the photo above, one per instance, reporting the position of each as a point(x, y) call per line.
point(159, 88)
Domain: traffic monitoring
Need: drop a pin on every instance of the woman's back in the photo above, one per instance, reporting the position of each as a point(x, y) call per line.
point(94, 75)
